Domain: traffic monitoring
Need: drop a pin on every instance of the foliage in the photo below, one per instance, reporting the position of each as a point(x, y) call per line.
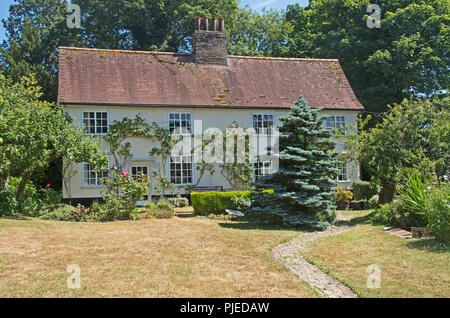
point(414, 134)
point(263, 34)
point(68, 213)
point(343, 195)
point(205, 203)
point(363, 190)
point(373, 202)
point(414, 196)
point(120, 195)
point(179, 201)
point(390, 214)
point(34, 134)
point(304, 185)
point(161, 210)
point(242, 202)
point(119, 132)
point(409, 53)
point(29, 203)
point(437, 211)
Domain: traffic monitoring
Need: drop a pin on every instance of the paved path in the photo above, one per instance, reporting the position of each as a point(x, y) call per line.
point(289, 254)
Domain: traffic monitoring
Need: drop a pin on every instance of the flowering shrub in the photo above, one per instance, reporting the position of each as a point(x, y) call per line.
point(120, 196)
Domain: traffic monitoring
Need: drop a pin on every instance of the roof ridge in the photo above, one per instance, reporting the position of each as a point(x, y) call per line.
point(187, 54)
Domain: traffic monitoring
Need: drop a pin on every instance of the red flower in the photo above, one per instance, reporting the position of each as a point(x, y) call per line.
point(125, 174)
point(49, 185)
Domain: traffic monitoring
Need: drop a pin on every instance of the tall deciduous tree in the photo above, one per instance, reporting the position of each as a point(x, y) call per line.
point(304, 185)
point(412, 134)
point(407, 54)
point(33, 134)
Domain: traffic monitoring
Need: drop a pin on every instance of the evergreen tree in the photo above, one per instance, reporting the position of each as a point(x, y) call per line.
point(304, 186)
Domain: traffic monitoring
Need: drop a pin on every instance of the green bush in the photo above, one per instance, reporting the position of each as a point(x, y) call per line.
point(120, 195)
point(205, 203)
point(437, 212)
point(390, 214)
point(363, 190)
point(160, 210)
point(179, 201)
point(65, 212)
point(29, 203)
point(373, 202)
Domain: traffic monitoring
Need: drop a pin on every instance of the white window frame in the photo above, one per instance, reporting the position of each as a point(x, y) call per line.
point(341, 167)
point(182, 176)
point(96, 185)
point(94, 111)
point(142, 165)
point(256, 129)
point(256, 176)
point(327, 117)
point(191, 123)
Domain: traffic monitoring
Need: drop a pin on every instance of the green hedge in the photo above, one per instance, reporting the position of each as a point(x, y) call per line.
point(363, 190)
point(205, 203)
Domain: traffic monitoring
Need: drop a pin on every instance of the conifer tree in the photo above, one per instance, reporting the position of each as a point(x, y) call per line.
point(304, 185)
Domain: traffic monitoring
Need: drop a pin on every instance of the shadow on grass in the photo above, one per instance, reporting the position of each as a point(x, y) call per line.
point(247, 225)
point(364, 219)
point(15, 217)
point(429, 246)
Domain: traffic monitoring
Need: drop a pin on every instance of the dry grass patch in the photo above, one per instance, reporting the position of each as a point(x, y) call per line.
point(409, 268)
point(194, 257)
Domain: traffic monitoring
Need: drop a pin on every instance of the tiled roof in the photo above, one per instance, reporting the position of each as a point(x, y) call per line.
point(114, 77)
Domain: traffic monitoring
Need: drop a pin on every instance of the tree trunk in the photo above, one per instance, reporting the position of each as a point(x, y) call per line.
point(387, 191)
point(4, 181)
point(23, 182)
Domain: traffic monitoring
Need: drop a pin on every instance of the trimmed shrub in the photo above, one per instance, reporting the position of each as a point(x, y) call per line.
point(363, 190)
point(205, 203)
point(343, 198)
point(437, 212)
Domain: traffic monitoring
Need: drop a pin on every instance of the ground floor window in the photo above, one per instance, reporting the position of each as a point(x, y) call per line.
point(141, 172)
point(262, 169)
point(343, 173)
point(92, 178)
point(181, 170)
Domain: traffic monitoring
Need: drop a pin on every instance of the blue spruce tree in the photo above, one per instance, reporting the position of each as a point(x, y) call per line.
point(304, 185)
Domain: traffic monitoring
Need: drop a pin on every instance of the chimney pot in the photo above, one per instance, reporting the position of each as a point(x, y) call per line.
point(214, 24)
point(222, 25)
point(197, 23)
point(205, 24)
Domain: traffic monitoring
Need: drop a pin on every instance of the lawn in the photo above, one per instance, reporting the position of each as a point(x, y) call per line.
point(409, 268)
point(179, 257)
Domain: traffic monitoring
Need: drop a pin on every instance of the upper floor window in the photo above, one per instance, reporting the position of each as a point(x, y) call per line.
point(263, 123)
point(335, 121)
point(95, 123)
point(180, 123)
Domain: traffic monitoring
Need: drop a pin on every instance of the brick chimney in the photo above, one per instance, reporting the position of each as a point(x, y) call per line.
point(209, 42)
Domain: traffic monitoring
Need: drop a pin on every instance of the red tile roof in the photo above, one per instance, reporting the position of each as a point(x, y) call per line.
point(114, 77)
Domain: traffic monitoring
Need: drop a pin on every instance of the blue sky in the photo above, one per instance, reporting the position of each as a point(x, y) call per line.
point(255, 4)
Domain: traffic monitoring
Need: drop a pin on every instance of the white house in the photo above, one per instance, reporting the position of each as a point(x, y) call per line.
point(99, 86)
